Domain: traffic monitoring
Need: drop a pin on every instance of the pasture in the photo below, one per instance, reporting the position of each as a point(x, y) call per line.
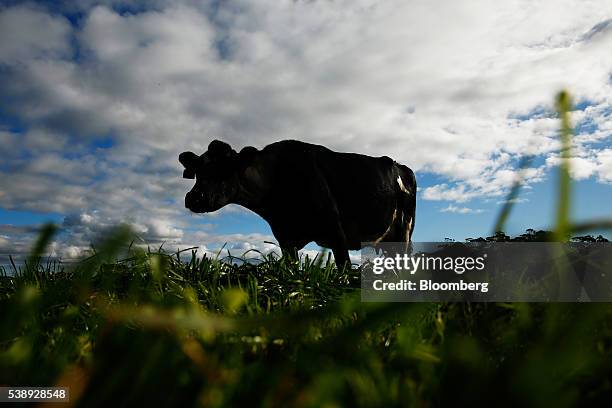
point(128, 326)
point(176, 330)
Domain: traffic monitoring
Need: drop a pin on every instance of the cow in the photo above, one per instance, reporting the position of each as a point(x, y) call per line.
point(307, 192)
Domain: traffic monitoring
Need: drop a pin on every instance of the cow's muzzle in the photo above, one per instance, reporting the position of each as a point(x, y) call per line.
point(194, 203)
point(190, 201)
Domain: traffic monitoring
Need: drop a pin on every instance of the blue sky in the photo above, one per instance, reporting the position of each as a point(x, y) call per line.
point(98, 98)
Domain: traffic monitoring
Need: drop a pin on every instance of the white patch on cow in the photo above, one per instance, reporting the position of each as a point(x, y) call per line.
point(408, 230)
point(401, 185)
point(388, 228)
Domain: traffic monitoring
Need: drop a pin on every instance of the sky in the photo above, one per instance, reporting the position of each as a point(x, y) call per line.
point(98, 98)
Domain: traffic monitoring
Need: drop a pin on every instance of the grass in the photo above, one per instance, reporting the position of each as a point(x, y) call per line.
point(128, 326)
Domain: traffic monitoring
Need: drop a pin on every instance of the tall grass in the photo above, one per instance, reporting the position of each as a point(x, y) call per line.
point(130, 327)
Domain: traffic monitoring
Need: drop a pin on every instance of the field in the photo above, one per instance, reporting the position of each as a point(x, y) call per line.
point(128, 326)
point(152, 328)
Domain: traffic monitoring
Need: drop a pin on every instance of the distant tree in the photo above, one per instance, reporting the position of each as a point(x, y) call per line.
point(543, 236)
point(590, 238)
point(532, 235)
point(585, 238)
point(499, 236)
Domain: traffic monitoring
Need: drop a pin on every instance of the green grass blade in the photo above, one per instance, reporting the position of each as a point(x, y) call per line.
point(563, 106)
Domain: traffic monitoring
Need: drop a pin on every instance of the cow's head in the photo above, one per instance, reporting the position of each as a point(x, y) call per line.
point(217, 173)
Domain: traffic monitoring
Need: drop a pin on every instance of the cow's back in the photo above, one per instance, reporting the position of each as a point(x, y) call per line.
point(364, 188)
point(365, 191)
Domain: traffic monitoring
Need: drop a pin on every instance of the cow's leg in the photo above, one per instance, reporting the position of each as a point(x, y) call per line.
point(328, 215)
point(290, 249)
point(339, 243)
point(289, 252)
point(341, 256)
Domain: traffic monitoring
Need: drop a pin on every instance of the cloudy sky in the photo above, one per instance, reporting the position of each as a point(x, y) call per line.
point(97, 99)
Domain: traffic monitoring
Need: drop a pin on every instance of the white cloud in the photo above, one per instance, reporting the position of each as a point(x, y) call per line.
point(517, 200)
point(27, 33)
point(490, 184)
point(460, 210)
point(592, 163)
point(446, 192)
point(604, 165)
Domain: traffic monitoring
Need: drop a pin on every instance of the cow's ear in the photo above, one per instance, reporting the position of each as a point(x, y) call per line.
point(246, 156)
point(189, 160)
point(219, 150)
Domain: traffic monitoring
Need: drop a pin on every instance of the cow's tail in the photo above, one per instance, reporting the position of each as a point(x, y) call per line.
point(406, 201)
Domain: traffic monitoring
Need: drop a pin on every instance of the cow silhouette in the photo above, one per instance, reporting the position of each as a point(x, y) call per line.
point(307, 192)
